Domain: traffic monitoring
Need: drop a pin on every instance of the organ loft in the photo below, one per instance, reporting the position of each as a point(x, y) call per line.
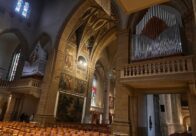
point(97, 68)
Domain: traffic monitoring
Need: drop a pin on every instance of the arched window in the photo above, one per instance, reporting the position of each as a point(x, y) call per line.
point(14, 65)
point(94, 90)
point(82, 63)
point(23, 8)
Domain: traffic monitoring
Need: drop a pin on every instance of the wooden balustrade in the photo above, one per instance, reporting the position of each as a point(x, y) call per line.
point(163, 66)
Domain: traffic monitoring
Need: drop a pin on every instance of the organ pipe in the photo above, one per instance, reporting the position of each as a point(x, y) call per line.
point(160, 39)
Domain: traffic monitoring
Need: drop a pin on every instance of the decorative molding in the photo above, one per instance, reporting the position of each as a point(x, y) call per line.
point(106, 5)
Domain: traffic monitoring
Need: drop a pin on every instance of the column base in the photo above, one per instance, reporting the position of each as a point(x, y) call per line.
point(174, 128)
point(121, 128)
point(45, 120)
point(7, 117)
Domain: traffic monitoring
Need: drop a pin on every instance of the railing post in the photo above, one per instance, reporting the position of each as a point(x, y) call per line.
point(173, 66)
point(178, 66)
point(159, 68)
point(145, 69)
point(183, 65)
point(122, 71)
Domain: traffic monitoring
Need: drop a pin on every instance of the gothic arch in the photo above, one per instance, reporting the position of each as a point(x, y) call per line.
point(21, 37)
point(22, 46)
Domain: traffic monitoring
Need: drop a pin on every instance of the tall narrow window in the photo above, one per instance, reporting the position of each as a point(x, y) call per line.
point(25, 11)
point(14, 66)
point(19, 5)
point(22, 8)
point(93, 95)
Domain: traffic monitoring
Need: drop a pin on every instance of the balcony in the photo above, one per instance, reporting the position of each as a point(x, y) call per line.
point(166, 72)
point(4, 85)
point(25, 86)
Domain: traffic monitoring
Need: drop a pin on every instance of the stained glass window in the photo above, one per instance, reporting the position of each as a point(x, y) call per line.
point(19, 5)
point(93, 96)
point(25, 9)
point(14, 66)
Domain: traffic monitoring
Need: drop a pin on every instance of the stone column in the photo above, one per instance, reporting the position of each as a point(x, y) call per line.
point(192, 107)
point(176, 113)
point(10, 107)
point(106, 100)
point(133, 114)
point(194, 9)
point(166, 120)
point(142, 115)
point(121, 122)
point(46, 108)
point(87, 116)
point(169, 117)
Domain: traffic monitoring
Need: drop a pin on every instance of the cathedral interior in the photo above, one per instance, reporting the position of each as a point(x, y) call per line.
point(97, 68)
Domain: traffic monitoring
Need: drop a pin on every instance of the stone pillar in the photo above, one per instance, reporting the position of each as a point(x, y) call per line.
point(10, 107)
point(166, 117)
point(176, 113)
point(121, 122)
point(46, 108)
point(194, 9)
point(134, 114)
point(87, 116)
point(169, 117)
point(142, 115)
point(192, 108)
point(123, 48)
point(106, 100)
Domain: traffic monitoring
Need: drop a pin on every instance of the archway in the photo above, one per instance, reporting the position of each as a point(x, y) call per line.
point(13, 50)
point(13, 43)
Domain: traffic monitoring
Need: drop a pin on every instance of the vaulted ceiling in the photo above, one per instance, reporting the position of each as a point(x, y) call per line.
point(130, 6)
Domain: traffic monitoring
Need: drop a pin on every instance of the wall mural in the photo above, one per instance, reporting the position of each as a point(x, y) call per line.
point(80, 86)
point(66, 82)
point(69, 59)
point(69, 108)
point(71, 84)
point(93, 94)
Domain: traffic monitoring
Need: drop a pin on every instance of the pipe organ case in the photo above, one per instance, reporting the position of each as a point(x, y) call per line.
point(157, 34)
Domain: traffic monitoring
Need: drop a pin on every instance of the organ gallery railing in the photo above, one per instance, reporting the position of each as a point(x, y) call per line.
point(182, 64)
point(28, 82)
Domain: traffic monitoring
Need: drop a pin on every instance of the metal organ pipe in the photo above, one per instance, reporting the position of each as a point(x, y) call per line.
point(166, 43)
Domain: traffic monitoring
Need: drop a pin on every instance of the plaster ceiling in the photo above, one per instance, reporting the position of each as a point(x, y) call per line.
point(130, 6)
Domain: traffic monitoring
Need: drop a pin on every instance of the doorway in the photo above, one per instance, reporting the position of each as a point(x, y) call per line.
point(167, 114)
